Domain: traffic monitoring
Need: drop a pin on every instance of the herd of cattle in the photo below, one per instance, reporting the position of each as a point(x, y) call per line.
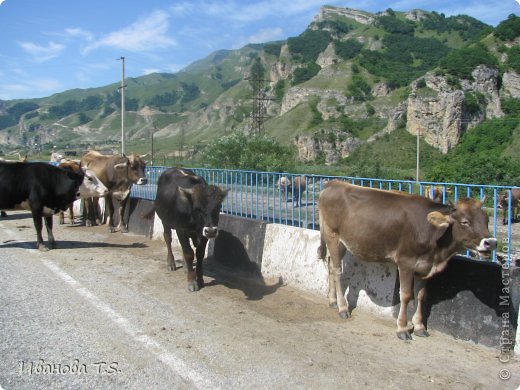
point(418, 234)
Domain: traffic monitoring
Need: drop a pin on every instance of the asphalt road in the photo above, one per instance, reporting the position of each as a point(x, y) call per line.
point(103, 312)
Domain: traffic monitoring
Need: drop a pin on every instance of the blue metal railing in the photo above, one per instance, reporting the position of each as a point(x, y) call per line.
point(266, 196)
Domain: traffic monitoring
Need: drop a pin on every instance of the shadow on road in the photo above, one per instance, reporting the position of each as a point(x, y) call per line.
point(71, 245)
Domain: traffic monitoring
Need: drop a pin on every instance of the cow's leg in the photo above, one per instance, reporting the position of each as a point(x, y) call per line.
point(110, 209)
point(336, 291)
point(89, 212)
point(122, 226)
point(170, 259)
point(71, 213)
point(62, 218)
point(406, 294)
point(50, 236)
point(200, 252)
point(188, 256)
point(38, 224)
point(419, 329)
point(3, 213)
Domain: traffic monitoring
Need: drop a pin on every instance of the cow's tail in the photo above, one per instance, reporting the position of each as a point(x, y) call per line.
point(322, 249)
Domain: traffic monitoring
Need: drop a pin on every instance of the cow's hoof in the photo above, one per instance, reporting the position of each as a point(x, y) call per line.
point(88, 224)
point(111, 229)
point(42, 248)
point(421, 332)
point(192, 287)
point(404, 335)
point(124, 230)
point(344, 314)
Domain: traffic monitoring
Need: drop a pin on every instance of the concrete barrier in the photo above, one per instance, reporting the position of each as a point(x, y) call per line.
point(469, 300)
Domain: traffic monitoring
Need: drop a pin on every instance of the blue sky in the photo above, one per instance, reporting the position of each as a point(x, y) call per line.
point(50, 46)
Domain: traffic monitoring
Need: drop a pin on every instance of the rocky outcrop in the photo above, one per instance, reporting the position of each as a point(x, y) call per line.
point(440, 117)
point(297, 95)
point(333, 144)
point(438, 120)
point(329, 12)
point(485, 81)
point(327, 57)
point(511, 85)
point(416, 15)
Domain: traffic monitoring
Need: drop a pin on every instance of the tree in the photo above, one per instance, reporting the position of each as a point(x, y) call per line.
point(239, 151)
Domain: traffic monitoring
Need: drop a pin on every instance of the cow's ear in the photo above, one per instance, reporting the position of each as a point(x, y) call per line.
point(185, 193)
point(224, 193)
point(439, 220)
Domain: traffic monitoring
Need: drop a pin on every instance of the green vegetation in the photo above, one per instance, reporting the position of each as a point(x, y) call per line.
point(404, 59)
point(347, 49)
point(305, 73)
point(395, 26)
point(239, 151)
point(390, 157)
point(15, 112)
point(359, 89)
point(508, 29)
point(307, 47)
point(478, 157)
point(462, 62)
point(468, 28)
point(513, 58)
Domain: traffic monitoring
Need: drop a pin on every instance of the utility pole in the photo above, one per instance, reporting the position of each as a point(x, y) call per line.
point(418, 153)
point(153, 150)
point(122, 89)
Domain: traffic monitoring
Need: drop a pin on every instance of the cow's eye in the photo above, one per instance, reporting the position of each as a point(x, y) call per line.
point(465, 222)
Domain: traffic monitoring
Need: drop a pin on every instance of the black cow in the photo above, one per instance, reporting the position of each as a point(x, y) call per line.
point(41, 188)
point(186, 203)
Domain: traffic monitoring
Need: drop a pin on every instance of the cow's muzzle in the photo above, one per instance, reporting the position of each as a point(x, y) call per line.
point(141, 181)
point(210, 232)
point(487, 245)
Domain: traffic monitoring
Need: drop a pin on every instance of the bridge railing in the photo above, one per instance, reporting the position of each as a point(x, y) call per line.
point(270, 197)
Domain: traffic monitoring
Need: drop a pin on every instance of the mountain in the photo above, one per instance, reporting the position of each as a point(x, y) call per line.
point(352, 85)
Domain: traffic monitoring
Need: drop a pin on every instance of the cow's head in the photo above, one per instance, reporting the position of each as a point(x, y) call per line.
point(134, 167)
point(67, 189)
point(205, 202)
point(503, 201)
point(91, 185)
point(469, 225)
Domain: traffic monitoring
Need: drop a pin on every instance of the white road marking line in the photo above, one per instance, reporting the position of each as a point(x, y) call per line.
point(187, 373)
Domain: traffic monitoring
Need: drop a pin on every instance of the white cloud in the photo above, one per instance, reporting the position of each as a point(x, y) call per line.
point(243, 12)
point(42, 53)
point(147, 34)
point(182, 9)
point(261, 36)
point(79, 33)
point(29, 89)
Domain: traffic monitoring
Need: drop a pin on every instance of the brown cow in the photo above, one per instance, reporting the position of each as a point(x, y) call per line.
point(438, 193)
point(418, 235)
point(118, 173)
point(503, 204)
point(91, 186)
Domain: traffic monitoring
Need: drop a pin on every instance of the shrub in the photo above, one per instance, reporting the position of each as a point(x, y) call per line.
point(305, 73)
point(240, 151)
point(347, 49)
point(308, 46)
point(508, 29)
point(462, 62)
